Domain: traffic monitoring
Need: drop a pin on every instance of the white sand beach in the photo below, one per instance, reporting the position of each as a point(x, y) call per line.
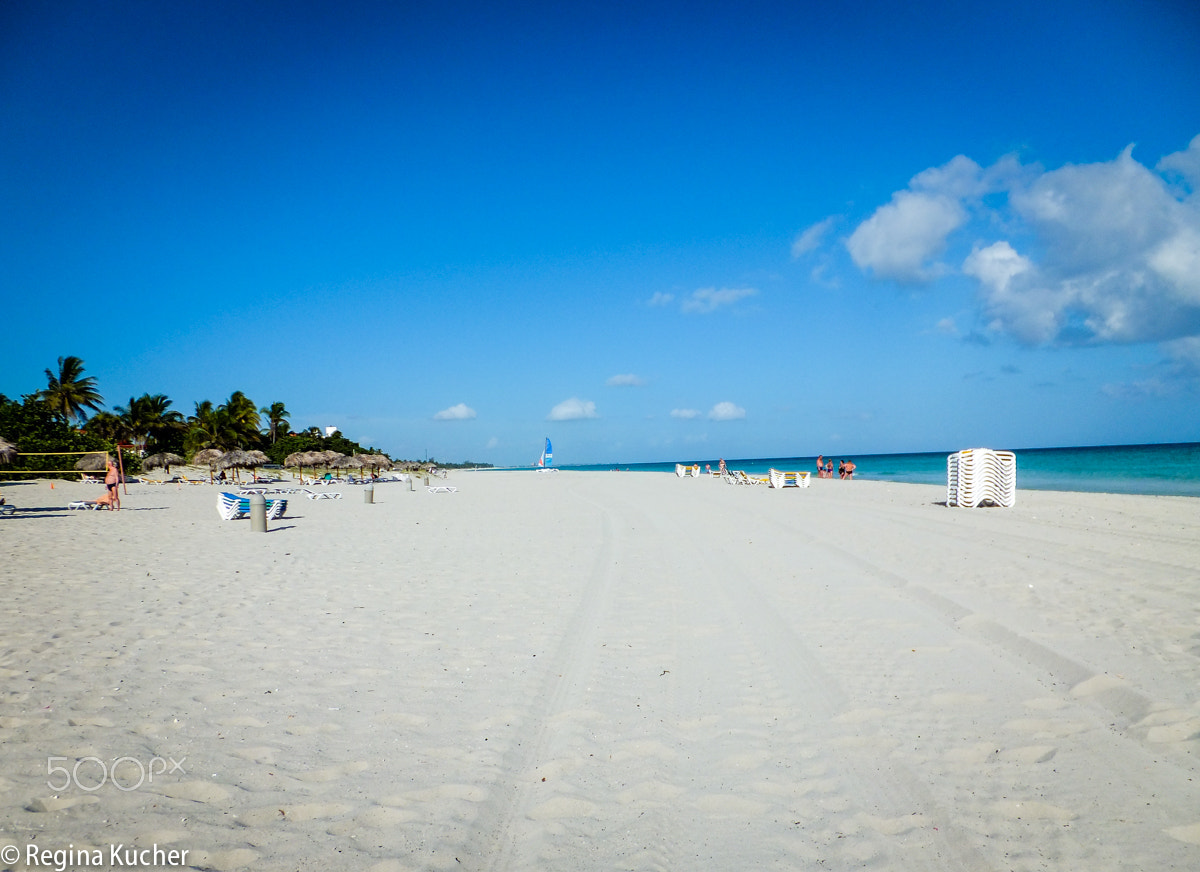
point(605, 671)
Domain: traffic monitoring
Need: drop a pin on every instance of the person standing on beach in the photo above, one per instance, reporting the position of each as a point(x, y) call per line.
point(847, 469)
point(820, 466)
point(112, 479)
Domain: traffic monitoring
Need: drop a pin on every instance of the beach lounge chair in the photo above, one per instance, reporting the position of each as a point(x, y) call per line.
point(979, 476)
point(186, 480)
point(788, 479)
point(6, 509)
point(232, 507)
point(85, 504)
point(441, 489)
point(748, 479)
point(323, 495)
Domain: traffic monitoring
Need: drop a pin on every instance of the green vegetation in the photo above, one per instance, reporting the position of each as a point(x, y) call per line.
point(55, 419)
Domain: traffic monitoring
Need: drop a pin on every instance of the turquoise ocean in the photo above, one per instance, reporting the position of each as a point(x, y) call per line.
point(1163, 470)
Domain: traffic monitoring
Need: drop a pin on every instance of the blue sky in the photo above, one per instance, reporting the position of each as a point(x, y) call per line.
point(651, 231)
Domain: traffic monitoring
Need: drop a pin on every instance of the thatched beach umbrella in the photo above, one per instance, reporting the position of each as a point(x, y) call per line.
point(298, 459)
point(344, 462)
point(375, 462)
point(162, 460)
point(236, 460)
point(92, 462)
point(208, 457)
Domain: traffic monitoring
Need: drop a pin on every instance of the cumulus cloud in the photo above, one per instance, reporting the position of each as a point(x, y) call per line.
point(461, 412)
point(628, 380)
point(706, 300)
point(573, 409)
point(1120, 259)
point(1106, 252)
point(812, 237)
point(903, 238)
point(686, 414)
point(1185, 164)
point(660, 299)
point(726, 412)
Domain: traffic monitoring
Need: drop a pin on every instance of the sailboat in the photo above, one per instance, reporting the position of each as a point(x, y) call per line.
point(546, 461)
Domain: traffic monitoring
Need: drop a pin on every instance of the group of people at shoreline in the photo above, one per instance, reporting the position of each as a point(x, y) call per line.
point(825, 468)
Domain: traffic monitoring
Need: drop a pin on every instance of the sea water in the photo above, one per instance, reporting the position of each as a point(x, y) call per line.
point(1165, 470)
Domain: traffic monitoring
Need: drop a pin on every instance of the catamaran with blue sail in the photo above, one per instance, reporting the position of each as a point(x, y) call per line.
point(546, 461)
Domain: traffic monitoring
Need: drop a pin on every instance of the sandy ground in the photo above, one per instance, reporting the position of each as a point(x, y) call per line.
point(605, 671)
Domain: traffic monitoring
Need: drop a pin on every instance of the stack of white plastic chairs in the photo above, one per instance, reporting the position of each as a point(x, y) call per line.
point(980, 475)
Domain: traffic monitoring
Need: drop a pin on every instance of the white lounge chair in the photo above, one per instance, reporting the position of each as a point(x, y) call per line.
point(323, 495)
point(441, 489)
point(779, 478)
point(978, 476)
point(748, 479)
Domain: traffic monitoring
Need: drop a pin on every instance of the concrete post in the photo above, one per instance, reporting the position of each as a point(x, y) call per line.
point(258, 513)
point(369, 494)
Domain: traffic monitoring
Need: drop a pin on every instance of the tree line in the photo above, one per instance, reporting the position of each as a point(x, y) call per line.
point(56, 419)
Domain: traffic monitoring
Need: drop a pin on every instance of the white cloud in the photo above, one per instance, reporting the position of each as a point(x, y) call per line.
point(461, 412)
point(1106, 252)
point(902, 238)
point(660, 299)
point(947, 326)
point(628, 380)
point(573, 409)
point(492, 443)
point(1119, 258)
point(726, 412)
point(686, 414)
point(708, 300)
point(1185, 163)
point(812, 237)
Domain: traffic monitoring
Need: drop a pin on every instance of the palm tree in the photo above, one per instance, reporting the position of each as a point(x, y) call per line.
point(210, 428)
point(277, 417)
point(68, 393)
point(243, 416)
point(148, 416)
point(108, 427)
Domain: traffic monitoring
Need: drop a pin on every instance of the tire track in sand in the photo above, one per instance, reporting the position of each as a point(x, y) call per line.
point(496, 845)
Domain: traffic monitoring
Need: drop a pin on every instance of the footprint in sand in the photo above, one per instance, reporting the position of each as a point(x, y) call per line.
point(730, 806)
point(1033, 811)
point(93, 721)
point(562, 807)
point(332, 773)
point(896, 826)
point(1181, 731)
point(196, 791)
point(1048, 727)
point(1189, 833)
point(60, 803)
point(383, 818)
point(650, 792)
point(1029, 754)
point(257, 817)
